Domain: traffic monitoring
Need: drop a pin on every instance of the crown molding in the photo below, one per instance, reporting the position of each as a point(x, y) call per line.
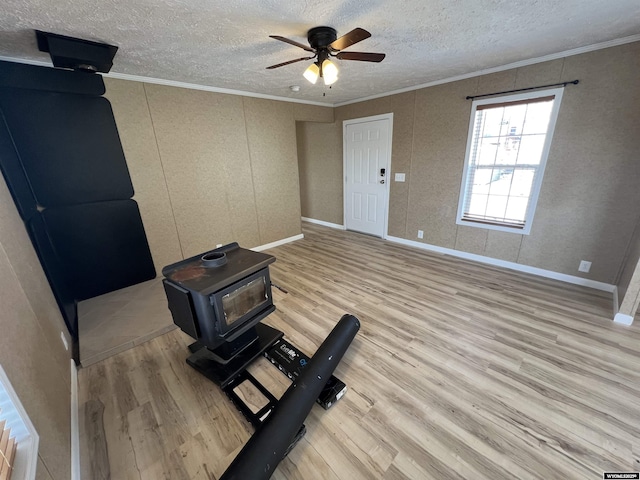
point(194, 86)
point(206, 88)
point(174, 83)
point(26, 61)
point(501, 68)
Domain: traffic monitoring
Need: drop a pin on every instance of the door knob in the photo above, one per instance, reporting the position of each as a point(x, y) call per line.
point(382, 181)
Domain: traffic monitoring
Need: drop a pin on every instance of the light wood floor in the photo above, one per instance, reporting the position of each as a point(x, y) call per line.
point(459, 371)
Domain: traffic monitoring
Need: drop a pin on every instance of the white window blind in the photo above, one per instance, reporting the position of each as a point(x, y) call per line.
point(19, 448)
point(507, 147)
point(7, 450)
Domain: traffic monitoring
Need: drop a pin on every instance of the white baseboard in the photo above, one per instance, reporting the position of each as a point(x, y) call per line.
point(606, 287)
point(323, 223)
point(277, 243)
point(75, 429)
point(623, 319)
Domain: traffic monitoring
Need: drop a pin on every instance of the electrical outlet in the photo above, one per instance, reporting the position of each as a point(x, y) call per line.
point(64, 341)
point(218, 245)
point(399, 177)
point(584, 266)
point(420, 234)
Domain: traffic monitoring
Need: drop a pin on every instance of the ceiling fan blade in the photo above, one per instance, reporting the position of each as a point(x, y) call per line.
point(293, 42)
point(354, 36)
point(290, 61)
point(361, 56)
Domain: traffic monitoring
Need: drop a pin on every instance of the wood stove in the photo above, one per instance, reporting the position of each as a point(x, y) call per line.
point(219, 298)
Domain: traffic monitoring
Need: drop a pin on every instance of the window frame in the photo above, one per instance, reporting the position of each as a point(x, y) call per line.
point(537, 184)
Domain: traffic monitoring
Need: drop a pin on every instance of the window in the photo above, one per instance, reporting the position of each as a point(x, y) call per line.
point(507, 148)
point(19, 448)
point(7, 450)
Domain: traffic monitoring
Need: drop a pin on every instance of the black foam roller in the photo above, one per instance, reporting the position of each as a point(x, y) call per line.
point(268, 445)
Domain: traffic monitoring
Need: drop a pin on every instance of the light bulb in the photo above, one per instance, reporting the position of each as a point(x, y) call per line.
point(329, 72)
point(311, 73)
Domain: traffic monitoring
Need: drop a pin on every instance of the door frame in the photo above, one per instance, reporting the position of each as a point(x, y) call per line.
point(384, 116)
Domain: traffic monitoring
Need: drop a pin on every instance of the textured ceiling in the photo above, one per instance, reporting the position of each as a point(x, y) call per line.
point(227, 45)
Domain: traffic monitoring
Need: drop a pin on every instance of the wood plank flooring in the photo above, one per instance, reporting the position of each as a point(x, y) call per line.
point(459, 370)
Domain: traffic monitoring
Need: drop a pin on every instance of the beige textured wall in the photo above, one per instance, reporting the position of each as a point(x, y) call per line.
point(590, 189)
point(31, 352)
point(207, 168)
point(210, 168)
point(137, 135)
point(271, 134)
point(320, 196)
point(630, 266)
point(320, 157)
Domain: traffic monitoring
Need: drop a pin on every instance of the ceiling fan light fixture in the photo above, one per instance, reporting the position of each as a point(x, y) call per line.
point(312, 73)
point(329, 72)
point(323, 43)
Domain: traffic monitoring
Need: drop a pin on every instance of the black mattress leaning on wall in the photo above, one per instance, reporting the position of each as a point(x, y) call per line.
point(61, 157)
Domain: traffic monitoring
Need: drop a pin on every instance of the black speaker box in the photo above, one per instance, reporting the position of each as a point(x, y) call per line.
point(75, 53)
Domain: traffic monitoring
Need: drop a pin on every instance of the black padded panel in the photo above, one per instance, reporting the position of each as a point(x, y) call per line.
point(102, 246)
point(69, 146)
point(55, 272)
point(14, 174)
point(59, 148)
point(19, 75)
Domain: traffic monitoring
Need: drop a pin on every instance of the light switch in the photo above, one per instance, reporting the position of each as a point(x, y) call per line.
point(399, 177)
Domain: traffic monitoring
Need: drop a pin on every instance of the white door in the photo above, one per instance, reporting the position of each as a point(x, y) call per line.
point(367, 162)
